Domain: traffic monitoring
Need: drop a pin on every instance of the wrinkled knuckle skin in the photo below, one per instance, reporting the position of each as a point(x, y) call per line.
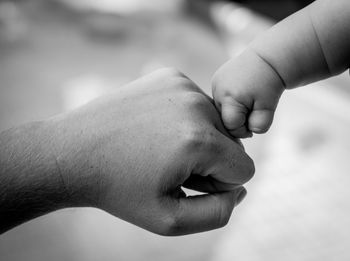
point(193, 139)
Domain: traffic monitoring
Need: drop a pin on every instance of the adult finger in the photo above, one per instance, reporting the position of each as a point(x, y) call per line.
point(224, 160)
point(207, 184)
point(202, 213)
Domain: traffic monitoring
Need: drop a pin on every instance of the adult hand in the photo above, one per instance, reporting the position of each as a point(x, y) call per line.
point(129, 153)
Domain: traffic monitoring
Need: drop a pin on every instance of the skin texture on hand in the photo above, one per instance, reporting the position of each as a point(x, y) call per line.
point(142, 143)
point(30, 183)
point(310, 45)
point(130, 152)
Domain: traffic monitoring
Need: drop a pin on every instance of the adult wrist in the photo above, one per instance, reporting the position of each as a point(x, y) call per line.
point(70, 148)
point(30, 184)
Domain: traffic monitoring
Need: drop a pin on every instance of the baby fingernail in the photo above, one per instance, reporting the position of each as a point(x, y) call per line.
point(257, 130)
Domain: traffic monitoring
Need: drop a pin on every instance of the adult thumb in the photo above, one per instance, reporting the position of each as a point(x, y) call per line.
point(204, 212)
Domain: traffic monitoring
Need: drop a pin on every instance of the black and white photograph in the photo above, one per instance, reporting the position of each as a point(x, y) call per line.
point(167, 130)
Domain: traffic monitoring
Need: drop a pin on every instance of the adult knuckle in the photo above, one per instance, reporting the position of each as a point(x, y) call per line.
point(171, 225)
point(181, 83)
point(175, 79)
point(197, 138)
point(195, 99)
point(185, 86)
point(193, 137)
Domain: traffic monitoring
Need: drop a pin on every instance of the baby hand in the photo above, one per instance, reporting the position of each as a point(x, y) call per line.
point(246, 91)
point(310, 45)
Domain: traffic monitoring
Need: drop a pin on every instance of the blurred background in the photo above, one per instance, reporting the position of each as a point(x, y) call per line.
point(57, 55)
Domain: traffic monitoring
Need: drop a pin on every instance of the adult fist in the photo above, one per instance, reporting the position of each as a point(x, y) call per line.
point(129, 153)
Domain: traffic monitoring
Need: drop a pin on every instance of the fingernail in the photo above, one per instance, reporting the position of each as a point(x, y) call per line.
point(256, 130)
point(240, 196)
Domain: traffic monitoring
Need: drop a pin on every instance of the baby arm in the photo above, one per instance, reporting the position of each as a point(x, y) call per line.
point(310, 45)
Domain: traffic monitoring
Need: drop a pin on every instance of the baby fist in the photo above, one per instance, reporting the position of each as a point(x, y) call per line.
point(246, 91)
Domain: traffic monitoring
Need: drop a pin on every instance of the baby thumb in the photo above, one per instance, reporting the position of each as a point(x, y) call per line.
point(260, 120)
